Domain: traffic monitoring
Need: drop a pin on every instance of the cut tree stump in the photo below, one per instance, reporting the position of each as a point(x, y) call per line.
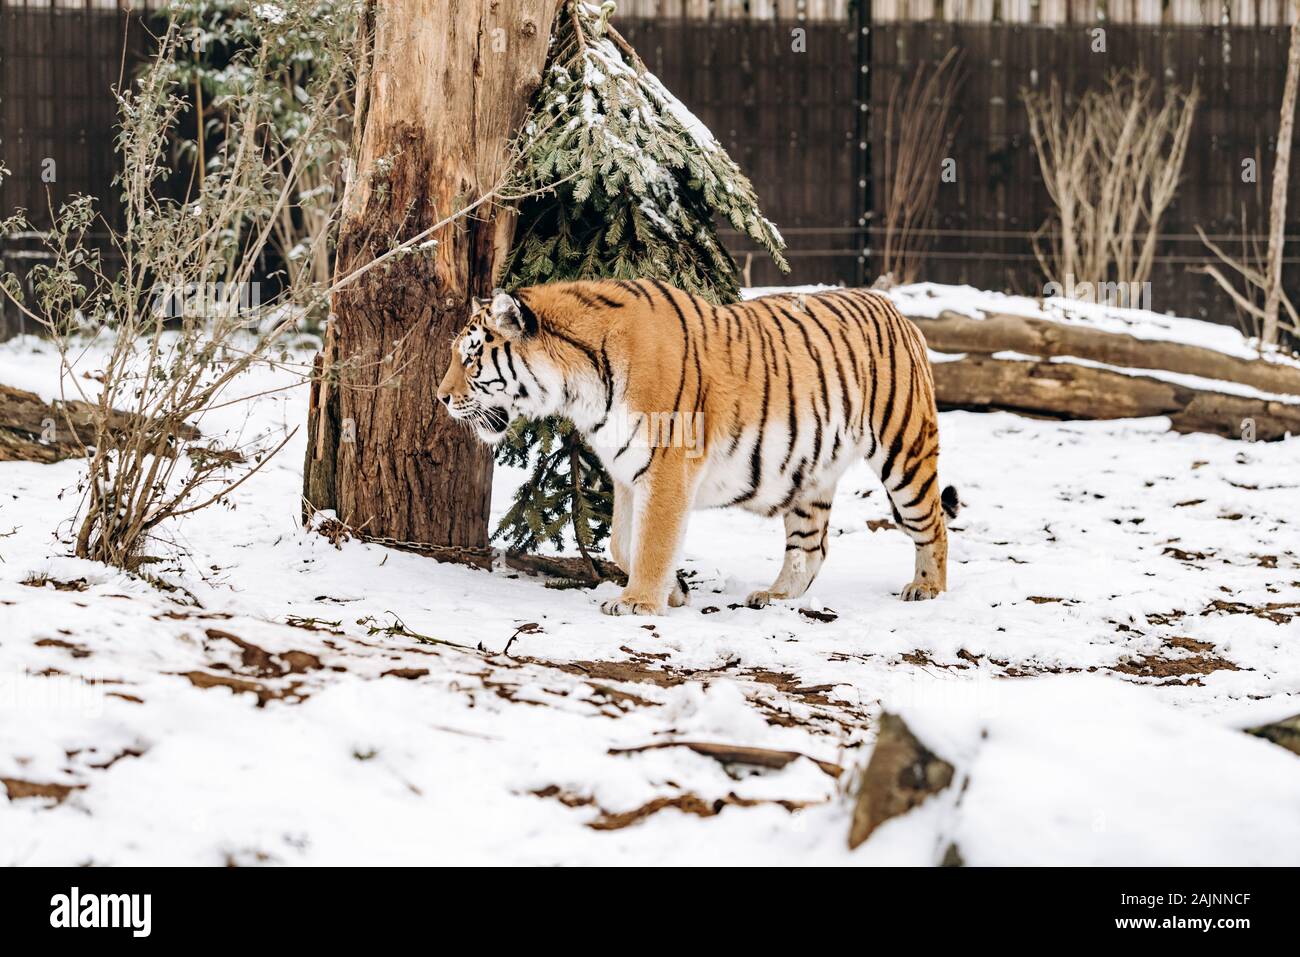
point(901, 774)
point(32, 430)
point(1068, 391)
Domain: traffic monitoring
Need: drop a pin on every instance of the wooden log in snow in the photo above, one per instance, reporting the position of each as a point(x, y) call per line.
point(32, 430)
point(1070, 391)
point(952, 332)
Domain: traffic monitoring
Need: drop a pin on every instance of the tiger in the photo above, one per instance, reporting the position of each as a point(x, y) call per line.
point(762, 404)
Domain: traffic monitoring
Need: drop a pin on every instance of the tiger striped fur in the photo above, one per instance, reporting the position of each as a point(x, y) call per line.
point(762, 404)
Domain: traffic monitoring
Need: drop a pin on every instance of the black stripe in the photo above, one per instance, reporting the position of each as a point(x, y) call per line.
point(686, 340)
point(794, 418)
point(756, 456)
point(796, 486)
point(839, 369)
point(526, 315)
point(922, 492)
point(587, 351)
point(634, 286)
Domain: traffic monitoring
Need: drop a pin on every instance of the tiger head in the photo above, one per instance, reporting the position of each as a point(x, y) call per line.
point(482, 386)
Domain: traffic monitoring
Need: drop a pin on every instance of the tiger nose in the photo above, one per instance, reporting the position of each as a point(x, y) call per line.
point(444, 399)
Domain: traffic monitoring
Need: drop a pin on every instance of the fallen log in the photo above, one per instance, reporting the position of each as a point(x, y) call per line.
point(952, 332)
point(32, 430)
point(1070, 391)
point(566, 568)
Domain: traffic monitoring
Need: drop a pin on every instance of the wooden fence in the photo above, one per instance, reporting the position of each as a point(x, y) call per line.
point(792, 119)
point(796, 90)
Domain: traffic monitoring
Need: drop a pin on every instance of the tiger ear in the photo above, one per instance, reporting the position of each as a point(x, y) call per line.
point(508, 315)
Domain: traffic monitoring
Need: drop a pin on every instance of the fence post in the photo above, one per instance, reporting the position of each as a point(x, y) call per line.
point(862, 122)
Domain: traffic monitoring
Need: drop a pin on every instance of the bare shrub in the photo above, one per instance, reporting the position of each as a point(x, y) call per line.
point(210, 33)
point(1111, 166)
point(920, 118)
point(185, 316)
point(1261, 298)
point(1259, 270)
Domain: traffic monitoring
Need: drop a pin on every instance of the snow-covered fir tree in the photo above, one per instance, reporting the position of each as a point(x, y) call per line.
point(634, 188)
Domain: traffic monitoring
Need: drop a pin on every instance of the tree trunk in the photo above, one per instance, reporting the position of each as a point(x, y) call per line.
point(1281, 171)
point(444, 89)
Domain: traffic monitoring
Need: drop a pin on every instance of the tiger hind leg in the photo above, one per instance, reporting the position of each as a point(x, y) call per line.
point(805, 550)
point(919, 510)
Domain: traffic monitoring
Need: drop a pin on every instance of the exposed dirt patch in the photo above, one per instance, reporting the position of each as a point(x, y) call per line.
point(1185, 556)
point(789, 684)
point(605, 671)
point(408, 673)
point(17, 789)
point(728, 754)
point(567, 798)
point(1278, 612)
point(43, 581)
point(204, 679)
point(77, 651)
point(266, 664)
point(1181, 670)
point(827, 614)
point(623, 700)
point(922, 659)
point(1165, 618)
point(687, 804)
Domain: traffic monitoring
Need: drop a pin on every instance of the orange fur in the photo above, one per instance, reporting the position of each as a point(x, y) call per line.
point(761, 404)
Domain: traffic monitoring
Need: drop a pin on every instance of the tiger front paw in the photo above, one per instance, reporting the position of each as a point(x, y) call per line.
point(761, 599)
point(919, 591)
point(626, 604)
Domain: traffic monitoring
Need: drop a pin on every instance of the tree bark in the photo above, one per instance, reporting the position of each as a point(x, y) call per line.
point(1281, 171)
point(446, 85)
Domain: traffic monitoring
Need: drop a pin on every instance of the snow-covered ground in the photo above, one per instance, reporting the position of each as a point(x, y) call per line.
point(1123, 600)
